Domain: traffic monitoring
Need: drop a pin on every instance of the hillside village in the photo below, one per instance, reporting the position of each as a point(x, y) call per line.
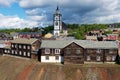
point(59, 47)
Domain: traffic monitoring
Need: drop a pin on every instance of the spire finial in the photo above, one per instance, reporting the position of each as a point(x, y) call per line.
point(57, 7)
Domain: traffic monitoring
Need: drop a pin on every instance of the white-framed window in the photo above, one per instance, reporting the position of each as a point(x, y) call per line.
point(28, 47)
point(47, 57)
point(56, 57)
point(24, 47)
point(28, 54)
point(5, 51)
point(108, 58)
point(8, 51)
point(20, 53)
point(24, 53)
point(12, 52)
point(78, 51)
point(12, 45)
point(113, 58)
point(110, 51)
point(20, 46)
point(57, 51)
point(98, 58)
point(15, 45)
point(88, 58)
point(47, 51)
point(15, 52)
point(98, 51)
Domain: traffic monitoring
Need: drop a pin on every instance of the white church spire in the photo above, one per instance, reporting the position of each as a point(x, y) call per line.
point(57, 22)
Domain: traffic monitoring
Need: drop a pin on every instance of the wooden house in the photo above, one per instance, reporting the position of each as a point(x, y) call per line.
point(2, 45)
point(37, 35)
point(25, 47)
point(78, 51)
point(5, 36)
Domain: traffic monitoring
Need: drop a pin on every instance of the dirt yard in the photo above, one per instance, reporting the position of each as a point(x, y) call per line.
point(12, 68)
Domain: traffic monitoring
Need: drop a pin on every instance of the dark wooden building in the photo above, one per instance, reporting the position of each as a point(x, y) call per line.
point(79, 51)
point(73, 53)
point(24, 47)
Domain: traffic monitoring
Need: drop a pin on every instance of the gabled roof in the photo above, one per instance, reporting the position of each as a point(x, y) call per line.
point(24, 40)
point(97, 44)
point(83, 43)
point(54, 43)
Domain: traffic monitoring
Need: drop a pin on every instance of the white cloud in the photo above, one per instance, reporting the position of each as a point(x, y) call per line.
point(35, 11)
point(40, 12)
point(15, 22)
point(87, 11)
point(6, 2)
point(110, 18)
point(41, 3)
point(37, 18)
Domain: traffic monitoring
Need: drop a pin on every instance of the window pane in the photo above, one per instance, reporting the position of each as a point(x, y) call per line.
point(47, 57)
point(110, 51)
point(24, 54)
point(57, 57)
point(20, 53)
point(108, 58)
point(88, 58)
point(19, 46)
point(47, 51)
point(113, 58)
point(28, 53)
point(98, 58)
point(78, 51)
point(98, 51)
point(24, 47)
point(57, 51)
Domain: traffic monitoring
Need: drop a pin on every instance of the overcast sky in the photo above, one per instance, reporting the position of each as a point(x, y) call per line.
point(34, 13)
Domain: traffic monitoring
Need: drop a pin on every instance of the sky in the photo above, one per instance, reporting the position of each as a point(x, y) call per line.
point(39, 13)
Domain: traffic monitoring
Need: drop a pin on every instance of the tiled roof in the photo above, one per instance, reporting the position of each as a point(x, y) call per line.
point(24, 40)
point(82, 43)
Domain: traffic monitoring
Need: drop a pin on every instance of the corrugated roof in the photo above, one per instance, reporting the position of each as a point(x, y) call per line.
point(24, 40)
point(82, 43)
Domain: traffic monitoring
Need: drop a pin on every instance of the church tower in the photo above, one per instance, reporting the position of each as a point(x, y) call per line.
point(57, 22)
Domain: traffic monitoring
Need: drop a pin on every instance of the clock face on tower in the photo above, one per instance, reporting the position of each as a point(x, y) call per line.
point(56, 18)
